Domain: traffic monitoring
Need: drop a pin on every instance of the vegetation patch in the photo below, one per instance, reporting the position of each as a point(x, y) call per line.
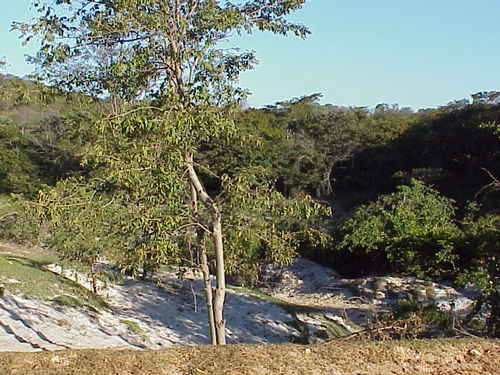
point(66, 300)
point(32, 280)
point(162, 165)
point(334, 331)
point(409, 320)
point(132, 327)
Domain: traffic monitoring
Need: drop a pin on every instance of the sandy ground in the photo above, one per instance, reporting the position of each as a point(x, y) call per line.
point(141, 315)
point(144, 315)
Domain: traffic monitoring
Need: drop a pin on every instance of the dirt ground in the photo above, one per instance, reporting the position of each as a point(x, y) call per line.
point(436, 357)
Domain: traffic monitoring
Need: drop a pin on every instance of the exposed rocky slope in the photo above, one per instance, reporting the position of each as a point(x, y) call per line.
point(311, 304)
point(351, 303)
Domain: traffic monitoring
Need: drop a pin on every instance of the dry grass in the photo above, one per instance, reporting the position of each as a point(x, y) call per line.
point(436, 357)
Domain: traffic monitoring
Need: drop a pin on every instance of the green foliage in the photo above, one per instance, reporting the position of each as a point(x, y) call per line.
point(414, 227)
point(168, 48)
point(447, 147)
point(307, 145)
point(17, 222)
point(323, 137)
point(88, 223)
point(18, 172)
point(260, 141)
point(479, 248)
point(262, 224)
point(486, 97)
point(170, 90)
point(28, 103)
point(170, 95)
point(43, 129)
point(65, 300)
point(75, 216)
point(133, 327)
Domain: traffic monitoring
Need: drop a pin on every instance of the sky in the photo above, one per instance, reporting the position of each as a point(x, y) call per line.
point(415, 53)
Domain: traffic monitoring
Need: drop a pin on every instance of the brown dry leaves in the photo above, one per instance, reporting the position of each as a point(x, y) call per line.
point(434, 357)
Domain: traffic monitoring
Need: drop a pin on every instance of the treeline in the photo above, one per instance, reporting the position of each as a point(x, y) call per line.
point(400, 191)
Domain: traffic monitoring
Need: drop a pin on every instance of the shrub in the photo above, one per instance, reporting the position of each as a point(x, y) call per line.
point(413, 226)
point(410, 321)
point(479, 247)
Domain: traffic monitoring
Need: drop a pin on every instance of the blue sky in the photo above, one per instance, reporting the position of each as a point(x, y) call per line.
point(418, 53)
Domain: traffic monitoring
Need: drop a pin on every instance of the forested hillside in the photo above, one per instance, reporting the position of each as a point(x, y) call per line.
point(363, 190)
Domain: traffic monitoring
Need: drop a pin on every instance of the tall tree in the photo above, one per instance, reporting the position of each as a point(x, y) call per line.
point(161, 62)
point(324, 136)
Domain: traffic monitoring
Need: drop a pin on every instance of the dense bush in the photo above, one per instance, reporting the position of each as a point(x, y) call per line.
point(414, 227)
point(18, 171)
point(479, 248)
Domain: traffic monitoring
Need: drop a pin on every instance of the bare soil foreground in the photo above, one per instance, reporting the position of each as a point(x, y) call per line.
point(437, 357)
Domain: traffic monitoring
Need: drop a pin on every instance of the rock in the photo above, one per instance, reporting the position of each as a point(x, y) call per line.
point(306, 283)
point(302, 276)
point(475, 352)
point(387, 291)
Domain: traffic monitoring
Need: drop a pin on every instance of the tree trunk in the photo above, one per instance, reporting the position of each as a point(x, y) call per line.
point(324, 189)
point(208, 289)
point(216, 227)
point(202, 251)
point(493, 320)
point(220, 290)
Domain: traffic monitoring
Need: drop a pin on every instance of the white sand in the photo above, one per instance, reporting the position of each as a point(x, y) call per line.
point(165, 317)
point(143, 315)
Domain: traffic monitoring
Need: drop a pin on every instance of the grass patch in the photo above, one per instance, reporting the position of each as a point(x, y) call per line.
point(288, 307)
point(334, 331)
point(66, 300)
point(28, 278)
point(133, 327)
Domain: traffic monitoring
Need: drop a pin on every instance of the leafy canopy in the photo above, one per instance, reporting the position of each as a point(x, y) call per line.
point(170, 88)
point(166, 49)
